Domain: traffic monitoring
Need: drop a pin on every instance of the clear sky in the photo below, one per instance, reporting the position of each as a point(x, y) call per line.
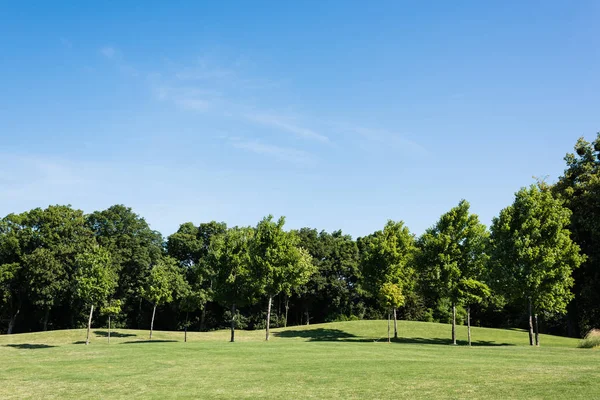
point(336, 114)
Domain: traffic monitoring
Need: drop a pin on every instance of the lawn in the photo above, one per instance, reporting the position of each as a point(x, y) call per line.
point(337, 360)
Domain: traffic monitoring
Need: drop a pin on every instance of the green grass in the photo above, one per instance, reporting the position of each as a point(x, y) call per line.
point(337, 360)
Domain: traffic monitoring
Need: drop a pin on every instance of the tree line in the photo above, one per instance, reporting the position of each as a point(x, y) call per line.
point(536, 267)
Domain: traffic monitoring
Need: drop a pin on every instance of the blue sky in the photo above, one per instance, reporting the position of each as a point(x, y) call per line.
point(336, 114)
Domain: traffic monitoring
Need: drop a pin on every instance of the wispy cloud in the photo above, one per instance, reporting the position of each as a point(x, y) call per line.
point(108, 52)
point(387, 138)
point(286, 154)
point(284, 124)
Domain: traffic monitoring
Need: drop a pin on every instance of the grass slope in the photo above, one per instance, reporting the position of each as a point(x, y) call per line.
point(337, 360)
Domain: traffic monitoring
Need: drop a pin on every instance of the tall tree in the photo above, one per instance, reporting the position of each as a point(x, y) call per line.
point(164, 283)
point(234, 284)
point(278, 260)
point(95, 280)
point(134, 249)
point(12, 285)
point(533, 254)
point(579, 188)
point(387, 259)
point(452, 259)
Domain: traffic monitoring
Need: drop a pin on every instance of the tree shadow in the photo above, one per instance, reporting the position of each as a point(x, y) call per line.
point(319, 335)
point(150, 341)
point(440, 341)
point(114, 334)
point(29, 346)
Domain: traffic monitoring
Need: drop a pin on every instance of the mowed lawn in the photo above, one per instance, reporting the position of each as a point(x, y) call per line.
point(328, 361)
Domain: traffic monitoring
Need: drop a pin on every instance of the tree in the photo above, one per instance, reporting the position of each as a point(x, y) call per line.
point(533, 254)
point(95, 280)
point(579, 188)
point(11, 280)
point(164, 283)
point(134, 249)
point(391, 297)
point(333, 292)
point(453, 259)
point(278, 261)
point(112, 308)
point(230, 258)
point(387, 259)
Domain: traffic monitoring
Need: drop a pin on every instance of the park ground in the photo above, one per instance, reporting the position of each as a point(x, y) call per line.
point(326, 361)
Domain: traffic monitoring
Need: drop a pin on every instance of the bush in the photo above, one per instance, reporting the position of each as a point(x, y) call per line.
point(592, 340)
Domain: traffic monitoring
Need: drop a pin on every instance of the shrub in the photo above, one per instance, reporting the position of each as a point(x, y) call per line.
point(592, 340)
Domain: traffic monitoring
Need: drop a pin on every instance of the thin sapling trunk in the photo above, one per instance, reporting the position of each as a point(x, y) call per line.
point(152, 322)
point(269, 316)
point(389, 327)
point(537, 331)
point(395, 325)
point(530, 324)
point(232, 323)
point(453, 323)
point(469, 324)
point(109, 329)
point(287, 307)
point(87, 339)
point(11, 323)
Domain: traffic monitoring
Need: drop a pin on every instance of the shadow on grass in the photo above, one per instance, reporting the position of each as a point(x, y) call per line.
point(114, 334)
point(337, 335)
point(29, 346)
point(440, 341)
point(320, 334)
point(150, 341)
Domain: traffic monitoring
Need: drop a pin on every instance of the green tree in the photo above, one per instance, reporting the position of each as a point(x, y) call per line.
point(391, 297)
point(164, 283)
point(12, 287)
point(278, 261)
point(579, 188)
point(533, 254)
point(452, 259)
point(111, 309)
point(387, 258)
point(230, 258)
point(94, 281)
point(333, 292)
point(134, 249)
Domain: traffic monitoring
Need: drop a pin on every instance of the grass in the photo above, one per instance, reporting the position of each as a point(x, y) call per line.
point(591, 340)
point(337, 360)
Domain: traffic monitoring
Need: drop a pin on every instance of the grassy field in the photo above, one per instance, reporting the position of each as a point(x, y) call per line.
point(337, 360)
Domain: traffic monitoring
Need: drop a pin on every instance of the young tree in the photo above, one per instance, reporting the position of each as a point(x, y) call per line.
point(112, 308)
point(164, 283)
point(453, 259)
point(387, 259)
point(391, 297)
point(278, 261)
point(533, 254)
point(95, 280)
point(230, 258)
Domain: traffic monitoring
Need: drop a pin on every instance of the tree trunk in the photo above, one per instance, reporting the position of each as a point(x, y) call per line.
point(395, 325)
point(469, 324)
point(530, 324)
point(287, 307)
point(11, 323)
point(46, 317)
point(389, 327)
point(307, 316)
point(537, 331)
point(233, 323)
point(185, 328)
point(152, 322)
point(453, 323)
point(109, 329)
point(203, 318)
point(269, 316)
point(87, 339)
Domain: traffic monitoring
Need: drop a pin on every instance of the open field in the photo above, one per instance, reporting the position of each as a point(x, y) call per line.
point(337, 360)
